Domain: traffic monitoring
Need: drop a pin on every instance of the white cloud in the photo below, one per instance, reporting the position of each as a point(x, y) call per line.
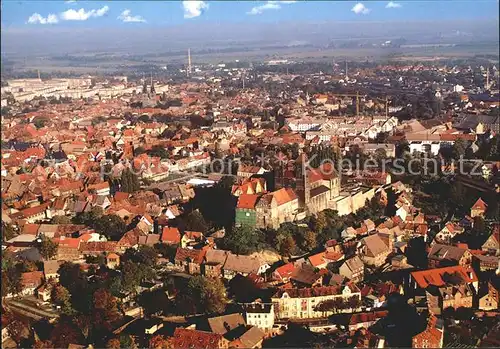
point(194, 9)
point(126, 16)
point(37, 18)
point(70, 1)
point(359, 8)
point(269, 5)
point(82, 15)
point(392, 4)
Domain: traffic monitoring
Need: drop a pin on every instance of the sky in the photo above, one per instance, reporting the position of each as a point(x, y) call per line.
point(93, 14)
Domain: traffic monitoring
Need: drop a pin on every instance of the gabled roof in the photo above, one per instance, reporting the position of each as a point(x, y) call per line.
point(441, 252)
point(479, 205)
point(437, 277)
point(375, 245)
point(171, 235)
point(193, 339)
point(196, 256)
point(225, 323)
point(317, 259)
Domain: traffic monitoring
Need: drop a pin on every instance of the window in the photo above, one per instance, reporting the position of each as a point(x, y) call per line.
point(303, 305)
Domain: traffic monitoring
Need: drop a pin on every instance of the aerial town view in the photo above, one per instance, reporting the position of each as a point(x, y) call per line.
point(250, 174)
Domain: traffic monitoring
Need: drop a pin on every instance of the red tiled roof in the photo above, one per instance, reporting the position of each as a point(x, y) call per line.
point(480, 205)
point(68, 242)
point(285, 270)
point(284, 195)
point(31, 229)
point(434, 277)
point(196, 256)
point(171, 235)
point(193, 339)
point(317, 259)
point(32, 279)
point(247, 201)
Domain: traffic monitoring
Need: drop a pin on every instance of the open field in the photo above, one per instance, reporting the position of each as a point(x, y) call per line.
point(101, 63)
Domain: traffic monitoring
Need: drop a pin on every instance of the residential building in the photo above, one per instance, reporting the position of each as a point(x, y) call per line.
point(315, 302)
point(184, 338)
point(353, 269)
point(112, 260)
point(244, 265)
point(260, 315)
point(373, 250)
point(446, 255)
point(478, 209)
point(491, 300)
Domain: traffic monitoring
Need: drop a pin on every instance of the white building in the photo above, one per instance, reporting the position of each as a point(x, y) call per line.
point(260, 315)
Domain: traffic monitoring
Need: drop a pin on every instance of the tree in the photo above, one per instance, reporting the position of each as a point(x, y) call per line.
point(61, 220)
point(47, 248)
point(61, 296)
point(105, 311)
point(207, 294)
point(46, 344)
point(111, 226)
point(459, 148)
point(309, 241)
point(159, 151)
point(146, 255)
point(40, 123)
point(159, 342)
point(287, 245)
point(129, 181)
point(72, 277)
point(479, 226)
point(8, 232)
point(17, 330)
point(139, 151)
point(131, 276)
point(320, 222)
point(113, 343)
point(242, 240)
point(84, 323)
point(194, 221)
point(380, 154)
point(64, 334)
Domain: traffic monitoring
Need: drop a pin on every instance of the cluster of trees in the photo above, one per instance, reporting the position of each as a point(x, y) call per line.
point(111, 226)
point(328, 224)
point(243, 240)
point(291, 239)
point(202, 295)
point(338, 303)
point(11, 272)
point(129, 181)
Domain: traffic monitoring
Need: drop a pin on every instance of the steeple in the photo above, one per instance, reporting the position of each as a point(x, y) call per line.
point(145, 87)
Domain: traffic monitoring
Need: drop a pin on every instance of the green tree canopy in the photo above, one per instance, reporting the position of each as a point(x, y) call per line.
point(207, 294)
point(47, 248)
point(242, 240)
point(129, 181)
